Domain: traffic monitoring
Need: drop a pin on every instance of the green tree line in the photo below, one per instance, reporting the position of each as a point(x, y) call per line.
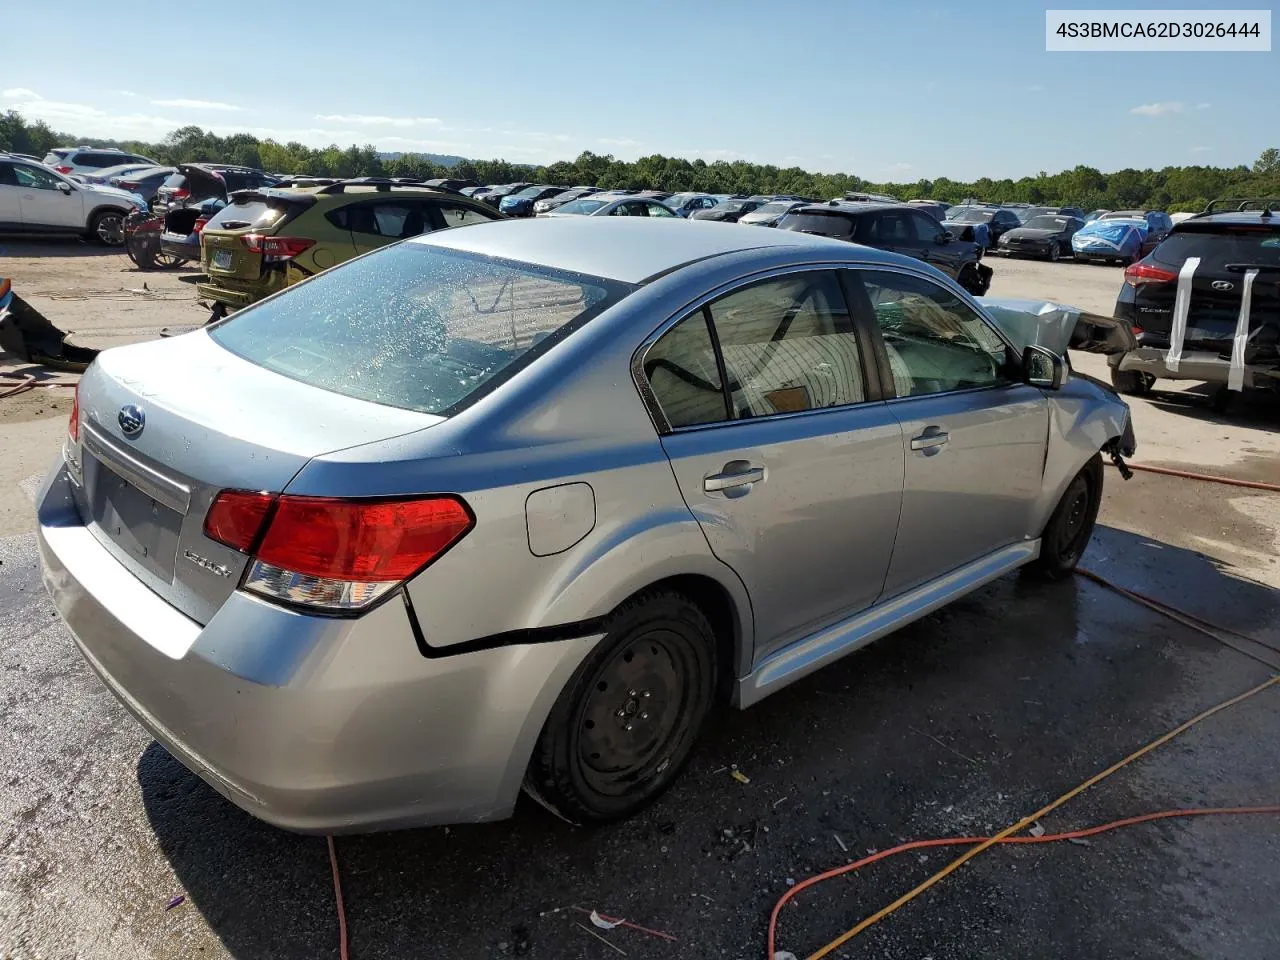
point(1170, 188)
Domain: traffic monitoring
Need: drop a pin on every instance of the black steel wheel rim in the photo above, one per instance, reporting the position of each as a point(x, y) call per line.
point(1074, 514)
point(634, 715)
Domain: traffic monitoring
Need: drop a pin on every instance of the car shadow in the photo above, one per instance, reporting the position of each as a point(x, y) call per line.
point(1253, 408)
point(54, 246)
point(981, 704)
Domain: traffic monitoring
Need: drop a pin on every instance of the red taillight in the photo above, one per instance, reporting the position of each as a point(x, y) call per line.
point(128, 185)
point(236, 517)
point(73, 426)
point(282, 248)
point(334, 553)
point(64, 169)
point(198, 227)
point(1138, 273)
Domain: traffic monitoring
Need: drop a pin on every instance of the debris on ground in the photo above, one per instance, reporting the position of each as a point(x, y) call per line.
point(176, 901)
point(739, 775)
point(29, 335)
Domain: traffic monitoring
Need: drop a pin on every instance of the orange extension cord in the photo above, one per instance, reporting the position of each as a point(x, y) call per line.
point(1206, 477)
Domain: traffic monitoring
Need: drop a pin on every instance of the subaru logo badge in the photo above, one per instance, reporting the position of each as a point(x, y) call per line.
point(132, 420)
point(1223, 285)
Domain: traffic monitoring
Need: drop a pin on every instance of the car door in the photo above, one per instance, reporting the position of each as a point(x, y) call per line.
point(974, 435)
point(10, 192)
point(782, 448)
point(43, 202)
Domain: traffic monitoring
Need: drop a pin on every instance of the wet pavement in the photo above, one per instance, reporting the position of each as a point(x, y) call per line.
point(961, 723)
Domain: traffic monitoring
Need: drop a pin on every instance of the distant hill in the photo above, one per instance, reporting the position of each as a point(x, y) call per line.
point(443, 159)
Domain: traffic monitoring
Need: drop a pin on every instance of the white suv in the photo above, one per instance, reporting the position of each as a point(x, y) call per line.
point(35, 199)
point(70, 160)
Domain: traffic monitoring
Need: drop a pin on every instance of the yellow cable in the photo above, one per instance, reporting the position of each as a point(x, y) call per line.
point(1028, 820)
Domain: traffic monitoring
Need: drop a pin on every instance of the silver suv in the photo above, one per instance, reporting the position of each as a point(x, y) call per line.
point(516, 505)
point(71, 160)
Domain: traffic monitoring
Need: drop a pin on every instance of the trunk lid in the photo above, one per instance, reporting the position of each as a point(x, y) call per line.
point(1226, 251)
point(166, 425)
point(224, 254)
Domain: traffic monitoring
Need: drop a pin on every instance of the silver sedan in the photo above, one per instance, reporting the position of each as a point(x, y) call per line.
point(517, 505)
point(613, 205)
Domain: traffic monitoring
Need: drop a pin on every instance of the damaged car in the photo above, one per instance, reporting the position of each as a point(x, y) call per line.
point(1047, 236)
point(1205, 303)
point(562, 488)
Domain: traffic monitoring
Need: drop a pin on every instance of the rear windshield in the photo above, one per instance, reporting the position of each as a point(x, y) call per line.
point(775, 208)
point(822, 224)
point(416, 326)
point(1046, 223)
point(1222, 249)
point(257, 211)
point(582, 206)
point(175, 180)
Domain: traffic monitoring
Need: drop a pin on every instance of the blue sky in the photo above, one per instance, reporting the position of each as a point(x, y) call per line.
point(887, 91)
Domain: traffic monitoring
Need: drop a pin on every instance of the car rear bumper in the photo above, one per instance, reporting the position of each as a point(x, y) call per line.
point(232, 298)
point(313, 724)
point(1200, 365)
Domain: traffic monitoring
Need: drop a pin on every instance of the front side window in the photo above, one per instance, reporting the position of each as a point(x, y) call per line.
point(34, 178)
point(927, 229)
point(416, 326)
point(658, 210)
point(458, 215)
point(935, 341)
point(788, 345)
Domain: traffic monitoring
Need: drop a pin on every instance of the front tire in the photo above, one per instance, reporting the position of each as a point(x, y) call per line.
point(1070, 527)
point(626, 722)
point(1055, 251)
point(107, 228)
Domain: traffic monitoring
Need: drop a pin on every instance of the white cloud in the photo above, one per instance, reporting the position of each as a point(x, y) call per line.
point(618, 142)
point(20, 93)
point(1159, 109)
point(901, 167)
point(378, 121)
point(1203, 106)
point(184, 104)
point(124, 93)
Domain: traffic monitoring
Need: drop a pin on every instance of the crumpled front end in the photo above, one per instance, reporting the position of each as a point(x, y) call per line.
point(1059, 327)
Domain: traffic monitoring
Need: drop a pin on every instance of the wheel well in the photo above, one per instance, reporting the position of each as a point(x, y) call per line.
point(718, 607)
point(104, 208)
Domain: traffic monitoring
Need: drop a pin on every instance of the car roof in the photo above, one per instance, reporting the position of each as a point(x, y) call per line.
point(629, 249)
point(1233, 216)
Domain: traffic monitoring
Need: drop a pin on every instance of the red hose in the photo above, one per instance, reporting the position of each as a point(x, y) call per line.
point(957, 841)
point(1207, 477)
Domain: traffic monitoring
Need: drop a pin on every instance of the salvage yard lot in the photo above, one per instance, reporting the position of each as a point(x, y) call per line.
point(957, 725)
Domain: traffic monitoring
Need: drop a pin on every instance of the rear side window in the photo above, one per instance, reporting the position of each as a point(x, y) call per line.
point(395, 219)
point(682, 373)
point(416, 326)
point(99, 159)
point(55, 156)
point(1219, 248)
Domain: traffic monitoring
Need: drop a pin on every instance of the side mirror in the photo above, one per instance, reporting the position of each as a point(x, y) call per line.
point(64, 187)
point(1043, 368)
point(945, 237)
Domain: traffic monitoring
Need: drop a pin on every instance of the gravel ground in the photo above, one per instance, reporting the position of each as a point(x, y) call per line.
point(960, 723)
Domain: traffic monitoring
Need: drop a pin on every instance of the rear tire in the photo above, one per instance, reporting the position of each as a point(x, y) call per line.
point(625, 724)
point(1070, 527)
point(1133, 383)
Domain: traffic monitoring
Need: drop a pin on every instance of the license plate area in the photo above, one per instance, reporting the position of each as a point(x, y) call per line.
point(222, 260)
point(144, 530)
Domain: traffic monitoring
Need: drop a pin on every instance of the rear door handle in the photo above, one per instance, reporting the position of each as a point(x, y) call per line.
point(931, 439)
point(737, 473)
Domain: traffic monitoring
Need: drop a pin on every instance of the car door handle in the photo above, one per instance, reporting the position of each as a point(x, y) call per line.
point(736, 474)
point(930, 439)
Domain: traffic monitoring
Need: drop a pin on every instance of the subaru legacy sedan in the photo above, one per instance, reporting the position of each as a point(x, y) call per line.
point(517, 506)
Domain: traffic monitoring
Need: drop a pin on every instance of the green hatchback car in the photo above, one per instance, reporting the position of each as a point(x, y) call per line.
point(267, 239)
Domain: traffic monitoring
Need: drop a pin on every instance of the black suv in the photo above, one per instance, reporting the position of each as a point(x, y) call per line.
point(1238, 244)
point(897, 227)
